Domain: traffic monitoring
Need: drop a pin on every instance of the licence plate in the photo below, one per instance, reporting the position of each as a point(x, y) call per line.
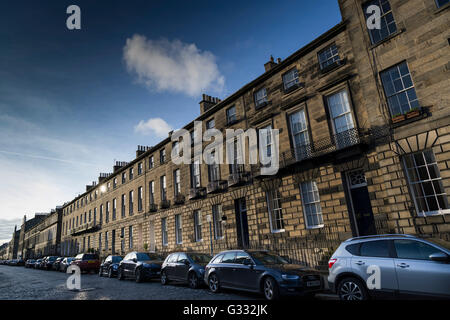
point(313, 283)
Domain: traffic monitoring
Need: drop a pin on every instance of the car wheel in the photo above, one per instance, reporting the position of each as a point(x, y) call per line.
point(270, 289)
point(213, 283)
point(193, 280)
point(352, 289)
point(139, 276)
point(120, 274)
point(164, 278)
point(100, 272)
point(110, 273)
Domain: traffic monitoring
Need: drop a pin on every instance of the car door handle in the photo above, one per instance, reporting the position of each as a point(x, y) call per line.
point(360, 263)
point(403, 265)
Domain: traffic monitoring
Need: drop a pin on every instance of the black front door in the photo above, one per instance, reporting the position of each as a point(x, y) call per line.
point(361, 214)
point(241, 223)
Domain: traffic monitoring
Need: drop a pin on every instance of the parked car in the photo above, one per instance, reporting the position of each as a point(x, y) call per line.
point(261, 272)
point(407, 267)
point(42, 263)
point(185, 267)
point(56, 264)
point(20, 262)
point(12, 262)
point(30, 263)
point(140, 266)
point(37, 264)
point(110, 266)
point(87, 262)
point(48, 263)
point(65, 263)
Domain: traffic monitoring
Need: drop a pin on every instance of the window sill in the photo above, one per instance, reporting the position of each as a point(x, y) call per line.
point(333, 67)
point(444, 7)
point(278, 231)
point(433, 213)
point(315, 227)
point(387, 39)
point(423, 113)
point(294, 88)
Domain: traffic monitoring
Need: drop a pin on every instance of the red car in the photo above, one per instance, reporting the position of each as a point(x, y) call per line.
point(87, 262)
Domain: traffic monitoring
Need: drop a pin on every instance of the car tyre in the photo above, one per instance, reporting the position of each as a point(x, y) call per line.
point(120, 274)
point(110, 273)
point(139, 276)
point(213, 283)
point(270, 289)
point(100, 272)
point(164, 278)
point(193, 281)
point(352, 289)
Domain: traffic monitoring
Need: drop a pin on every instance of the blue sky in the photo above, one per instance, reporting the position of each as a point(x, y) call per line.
point(73, 101)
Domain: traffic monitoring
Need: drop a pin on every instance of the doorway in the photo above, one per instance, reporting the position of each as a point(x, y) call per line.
point(359, 206)
point(241, 223)
point(152, 236)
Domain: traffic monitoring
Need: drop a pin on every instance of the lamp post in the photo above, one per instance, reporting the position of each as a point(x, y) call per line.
point(224, 229)
point(208, 218)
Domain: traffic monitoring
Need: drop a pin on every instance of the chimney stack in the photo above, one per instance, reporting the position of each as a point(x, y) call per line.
point(118, 165)
point(103, 176)
point(141, 150)
point(207, 103)
point(271, 64)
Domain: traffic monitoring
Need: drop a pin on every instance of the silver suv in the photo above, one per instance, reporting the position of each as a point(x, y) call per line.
point(395, 265)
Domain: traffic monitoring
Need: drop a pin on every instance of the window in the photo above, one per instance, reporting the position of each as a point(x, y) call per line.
point(151, 162)
point(107, 212)
point(114, 209)
point(328, 56)
point(341, 118)
point(260, 98)
point(95, 216)
point(164, 231)
point(299, 133)
point(379, 248)
point(177, 182)
point(163, 188)
point(85, 217)
point(100, 241)
point(231, 115)
point(409, 249)
point(162, 156)
point(210, 124)
point(124, 177)
point(237, 166)
point(130, 205)
point(101, 214)
point(140, 198)
point(195, 174)
point(441, 3)
point(108, 187)
point(290, 79)
point(266, 134)
point(176, 148)
point(399, 89)
point(115, 183)
point(151, 186)
point(387, 22)
point(217, 221)
point(124, 198)
point(275, 211)
point(130, 237)
point(229, 257)
point(311, 204)
point(425, 183)
point(242, 257)
point(140, 167)
point(131, 173)
point(122, 242)
point(197, 225)
point(106, 240)
point(193, 136)
point(178, 229)
point(213, 169)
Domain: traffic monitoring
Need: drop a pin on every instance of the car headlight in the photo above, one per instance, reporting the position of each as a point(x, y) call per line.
point(115, 267)
point(290, 277)
point(201, 270)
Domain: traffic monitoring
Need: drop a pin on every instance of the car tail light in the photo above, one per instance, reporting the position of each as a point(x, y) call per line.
point(331, 263)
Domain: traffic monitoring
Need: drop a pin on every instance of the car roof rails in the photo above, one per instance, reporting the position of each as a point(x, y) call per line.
point(381, 236)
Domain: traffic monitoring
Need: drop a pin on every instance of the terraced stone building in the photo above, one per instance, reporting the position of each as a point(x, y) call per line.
point(364, 144)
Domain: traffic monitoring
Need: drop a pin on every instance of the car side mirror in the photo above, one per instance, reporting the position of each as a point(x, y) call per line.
point(440, 257)
point(134, 260)
point(248, 263)
point(186, 262)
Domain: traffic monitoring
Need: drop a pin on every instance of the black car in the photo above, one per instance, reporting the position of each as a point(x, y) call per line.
point(65, 263)
point(30, 263)
point(140, 266)
point(185, 267)
point(262, 272)
point(56, 264)
point(20, 262)
point(110, 266)
point(48, 262)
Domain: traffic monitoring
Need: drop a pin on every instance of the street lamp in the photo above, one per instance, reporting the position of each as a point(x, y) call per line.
point(208, 218)
point(224, 229)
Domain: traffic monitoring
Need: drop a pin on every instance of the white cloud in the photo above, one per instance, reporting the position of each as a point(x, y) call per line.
point(174, 66)
point(156, 126)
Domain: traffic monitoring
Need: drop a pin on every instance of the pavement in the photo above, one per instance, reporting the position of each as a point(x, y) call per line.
point(19, 283)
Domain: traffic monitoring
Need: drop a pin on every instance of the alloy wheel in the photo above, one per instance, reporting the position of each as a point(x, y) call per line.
point(164, 279)
point(268, 289)
point(213, 283)
point(351, 291)
point(193, 281)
